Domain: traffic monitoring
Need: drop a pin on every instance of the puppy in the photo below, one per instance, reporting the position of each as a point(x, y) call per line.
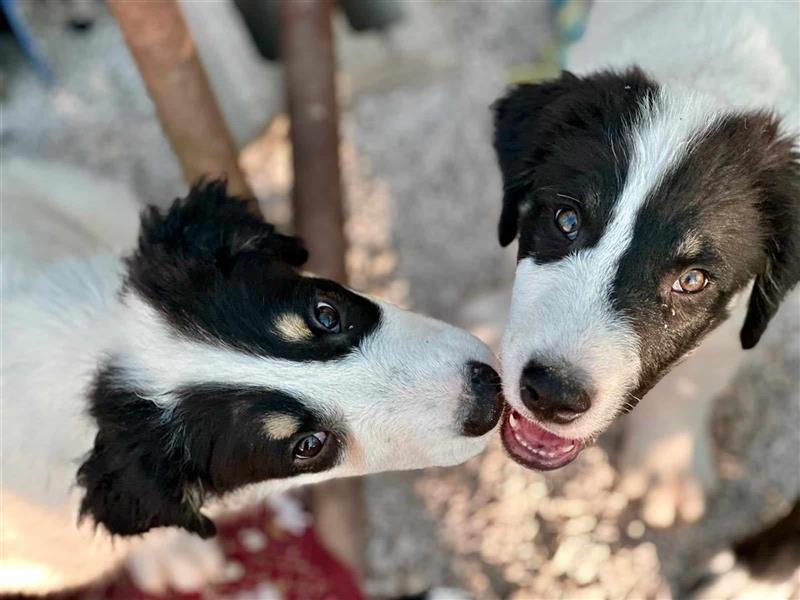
point(648, 192)
point(143, 392)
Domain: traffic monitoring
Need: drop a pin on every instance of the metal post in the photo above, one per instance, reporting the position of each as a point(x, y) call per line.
point(310, 67)
point(165, 54)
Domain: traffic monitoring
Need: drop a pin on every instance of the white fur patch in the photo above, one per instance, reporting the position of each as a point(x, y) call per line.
point(293, 328)
point(410, 365)
point(280, 427)
point(561, 311)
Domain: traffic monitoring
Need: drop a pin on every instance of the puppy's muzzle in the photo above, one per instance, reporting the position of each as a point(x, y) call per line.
point(484, 401)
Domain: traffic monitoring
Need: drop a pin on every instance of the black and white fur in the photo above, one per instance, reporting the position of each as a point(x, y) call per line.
point(674, 142)
point(153, 391)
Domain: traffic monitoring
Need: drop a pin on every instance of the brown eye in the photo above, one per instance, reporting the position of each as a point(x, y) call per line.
point(691, 282)
point(310, 446)
point(327, 317)
point(568, 222)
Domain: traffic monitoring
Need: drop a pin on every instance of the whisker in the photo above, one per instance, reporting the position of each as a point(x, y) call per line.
point(568, 197)
point(628, 405)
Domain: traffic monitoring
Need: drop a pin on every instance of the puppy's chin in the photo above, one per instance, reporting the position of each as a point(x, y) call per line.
point(462, 450)
point(531, 445)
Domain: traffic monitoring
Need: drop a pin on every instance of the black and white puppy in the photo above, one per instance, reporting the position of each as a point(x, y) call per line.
point(137, 391)
point(645, 198)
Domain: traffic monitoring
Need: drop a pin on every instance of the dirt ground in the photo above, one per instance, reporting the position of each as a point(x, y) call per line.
point(423, 196)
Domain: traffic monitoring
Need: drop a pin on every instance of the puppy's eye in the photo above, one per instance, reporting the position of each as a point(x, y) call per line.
point(310, 446)
point(327, 317)
point(568, 222)
point(691, 282)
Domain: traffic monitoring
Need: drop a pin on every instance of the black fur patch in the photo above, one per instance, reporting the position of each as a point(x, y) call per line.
point(563, 143)
point(215, 271)
point(733, 193)
point(566, 143)
point(153, 466)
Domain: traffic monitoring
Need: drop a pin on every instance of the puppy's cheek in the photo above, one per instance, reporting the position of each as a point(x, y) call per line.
point(614, 373)
point(354, 457)
point(459, 451)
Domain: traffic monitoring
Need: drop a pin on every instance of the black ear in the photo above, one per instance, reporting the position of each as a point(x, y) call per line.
point(521, 141)
point(781, 222)
point(126, 495)
point(532, 122)
point(136, 477)
point(211, 225)
point(508, 226)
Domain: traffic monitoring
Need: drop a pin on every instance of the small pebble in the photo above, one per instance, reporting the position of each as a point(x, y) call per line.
point(635, 529)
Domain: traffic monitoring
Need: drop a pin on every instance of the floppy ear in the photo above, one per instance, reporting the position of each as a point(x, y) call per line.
point(781, 270)
point(210, 225)
point(520, 142)
point(126, 494)
point(532, 120)
point(135, 478)
point(508, 226)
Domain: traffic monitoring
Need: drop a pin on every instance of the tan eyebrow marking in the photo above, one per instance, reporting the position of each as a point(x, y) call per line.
point(691, 244)
point(293, 328)
point(281, 426)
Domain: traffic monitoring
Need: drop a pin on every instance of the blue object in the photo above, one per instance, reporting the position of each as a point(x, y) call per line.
point(569, 20)
point(24, 36)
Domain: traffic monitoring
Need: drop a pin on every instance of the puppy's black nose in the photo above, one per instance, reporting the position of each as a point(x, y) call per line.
point(484, 402)
point(552, 394)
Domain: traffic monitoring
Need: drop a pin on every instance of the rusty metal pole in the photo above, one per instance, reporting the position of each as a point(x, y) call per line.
point(307, 50)
point(310, 68)
point(164, 51)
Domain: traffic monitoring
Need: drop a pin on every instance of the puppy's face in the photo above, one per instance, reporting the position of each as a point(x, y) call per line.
point(236, 369)
point(641, 213)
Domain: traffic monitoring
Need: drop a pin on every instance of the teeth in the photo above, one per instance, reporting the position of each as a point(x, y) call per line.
point(536, 450)
point(539, 451)
point(526, 444)
point(513, 421)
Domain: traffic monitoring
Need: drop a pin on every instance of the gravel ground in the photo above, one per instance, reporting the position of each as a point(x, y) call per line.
point(423, 194)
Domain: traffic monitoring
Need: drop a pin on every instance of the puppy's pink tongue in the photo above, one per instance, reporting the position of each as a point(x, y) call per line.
point(533, 433)
point(532, 446)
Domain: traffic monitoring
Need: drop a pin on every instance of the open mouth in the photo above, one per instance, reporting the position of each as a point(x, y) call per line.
point(533, 447)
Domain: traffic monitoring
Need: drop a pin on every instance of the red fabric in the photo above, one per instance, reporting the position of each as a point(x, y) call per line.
point(297, 566)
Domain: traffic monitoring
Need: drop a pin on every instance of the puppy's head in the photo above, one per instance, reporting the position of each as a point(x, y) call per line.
point(232, 368)
point(641, 212)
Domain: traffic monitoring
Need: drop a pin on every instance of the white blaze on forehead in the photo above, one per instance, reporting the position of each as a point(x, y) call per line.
point(562, 312)
point(397, 395)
